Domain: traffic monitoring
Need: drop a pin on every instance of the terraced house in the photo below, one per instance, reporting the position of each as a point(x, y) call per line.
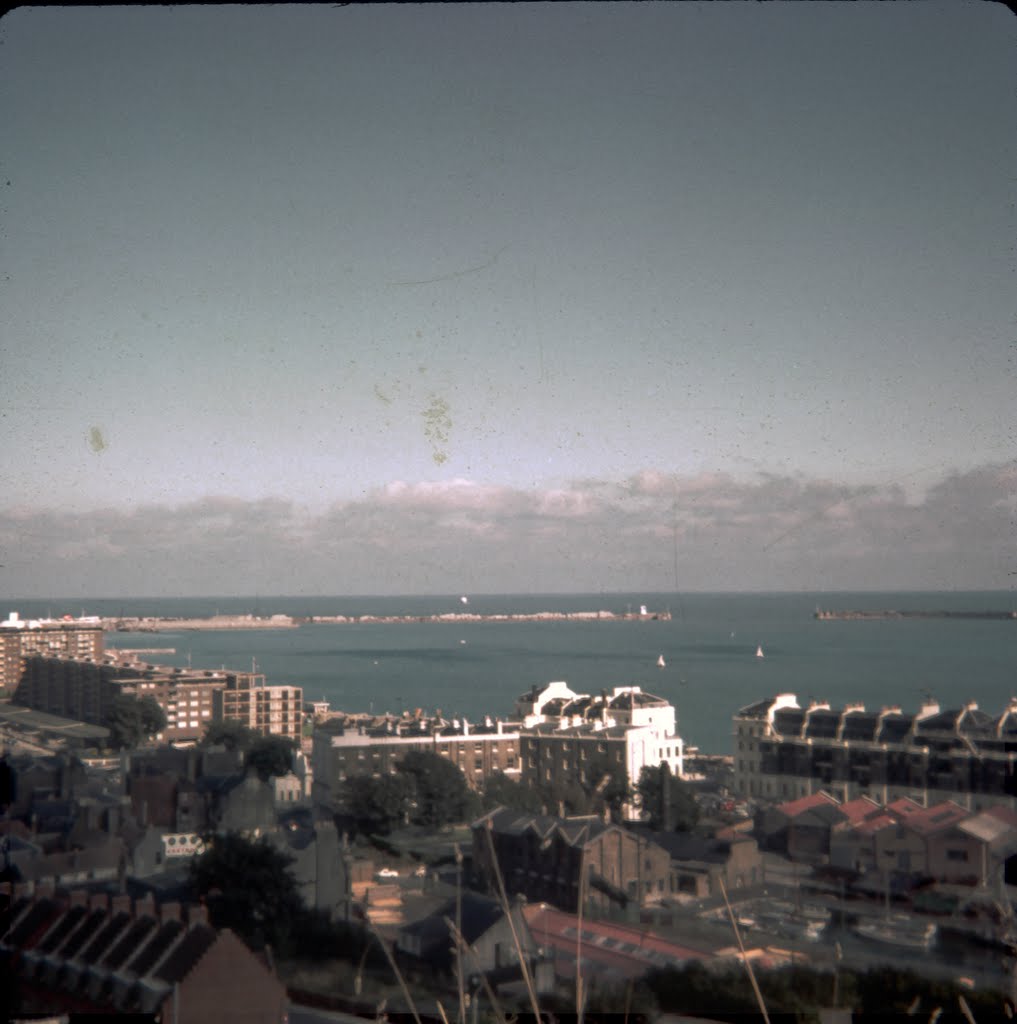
point(784, 751)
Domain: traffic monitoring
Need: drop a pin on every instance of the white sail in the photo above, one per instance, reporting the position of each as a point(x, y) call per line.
point(759, 652)
point(660, 662)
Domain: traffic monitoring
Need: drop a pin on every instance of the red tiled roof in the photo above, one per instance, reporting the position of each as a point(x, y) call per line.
point(937, 818)
point(608, 946)
point(870, 826)
point(806, 803)
point(904, 807)
point(861, 809)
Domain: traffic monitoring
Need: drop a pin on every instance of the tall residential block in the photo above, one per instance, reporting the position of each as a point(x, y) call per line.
point(20, 638)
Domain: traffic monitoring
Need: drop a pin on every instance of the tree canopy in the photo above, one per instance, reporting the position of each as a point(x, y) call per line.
point(441, 795)
point(248, 886)
point(502, 791)
point(230, 734)
point(378, 805)
point(269, 755)
point(131, 720)
point(667, 801)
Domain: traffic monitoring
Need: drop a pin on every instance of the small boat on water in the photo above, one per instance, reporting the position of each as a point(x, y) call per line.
point(899, 935)
point(661, 663)
point(759, 652)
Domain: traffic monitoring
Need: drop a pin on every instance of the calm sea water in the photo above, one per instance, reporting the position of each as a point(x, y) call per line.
point(709, 647)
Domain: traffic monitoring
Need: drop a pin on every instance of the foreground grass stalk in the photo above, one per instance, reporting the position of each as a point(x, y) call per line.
point(395, 967)
point(535, 1006)
point(741, 947)
point(462, 944)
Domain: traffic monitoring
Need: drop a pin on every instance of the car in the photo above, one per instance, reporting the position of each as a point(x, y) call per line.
point(420, 870)
point(388, 873)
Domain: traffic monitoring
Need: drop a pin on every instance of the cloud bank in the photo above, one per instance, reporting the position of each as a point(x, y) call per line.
point(650, 532)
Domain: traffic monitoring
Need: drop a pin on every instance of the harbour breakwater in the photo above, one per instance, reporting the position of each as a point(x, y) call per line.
point(167, 625)
point(890, 613)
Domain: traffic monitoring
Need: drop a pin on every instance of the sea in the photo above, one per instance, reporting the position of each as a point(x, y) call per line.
point(709, 647)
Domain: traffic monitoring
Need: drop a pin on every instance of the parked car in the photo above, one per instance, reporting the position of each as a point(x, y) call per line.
point(387, 873)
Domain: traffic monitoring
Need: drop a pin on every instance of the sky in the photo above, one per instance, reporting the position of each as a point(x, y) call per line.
point(507, 298)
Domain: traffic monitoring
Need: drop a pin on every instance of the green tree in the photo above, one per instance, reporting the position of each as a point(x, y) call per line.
point(378, 805)
point(675, 812)
point(269, 755)
point(248, 886)
point(130, 721)
point(502, 791)
point(441, 794)
point(230, 734)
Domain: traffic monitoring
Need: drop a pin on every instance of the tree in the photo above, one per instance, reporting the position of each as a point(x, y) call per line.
point(248, 886)
point(667, 801)
point(270, 755)
point(378, 805)
point(441, 793)
point(502, 791)
point(230, 734)
point(130, 720)
point(153, 718)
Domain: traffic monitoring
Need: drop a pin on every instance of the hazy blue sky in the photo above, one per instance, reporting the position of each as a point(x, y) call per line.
point(506, 297)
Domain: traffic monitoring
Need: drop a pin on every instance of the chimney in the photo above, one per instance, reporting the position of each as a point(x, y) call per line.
point(79, 898)
point(169, 912)
point(120, 904)
point(145, 906)
point(98, 901)
point(197, 913)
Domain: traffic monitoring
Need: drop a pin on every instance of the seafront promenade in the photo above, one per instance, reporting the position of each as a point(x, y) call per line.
point(153, 624)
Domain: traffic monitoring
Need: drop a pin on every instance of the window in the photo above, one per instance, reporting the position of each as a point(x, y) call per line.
point(957, 855)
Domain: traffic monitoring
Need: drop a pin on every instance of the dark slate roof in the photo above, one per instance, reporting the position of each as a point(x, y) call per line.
point(860, 725)
point(945, 721)
point(633, 700)
point(38, 918)
point(788, 721)
point(757, 710)
point(822, 724)
point(129, 943)
point(64, 926)
point(153, 950)
point(83, 934)
point(894, 728)
point(688, 846)
point(477, 915)
point(187, 953)
point(102, 939)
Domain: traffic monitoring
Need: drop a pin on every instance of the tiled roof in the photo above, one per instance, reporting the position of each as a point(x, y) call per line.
point(757, 710)
point(937, 818)
point(861, 809)
point(807, 803)
point(605, 947)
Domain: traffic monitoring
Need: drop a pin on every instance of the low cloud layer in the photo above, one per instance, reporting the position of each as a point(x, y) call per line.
point(718, 532)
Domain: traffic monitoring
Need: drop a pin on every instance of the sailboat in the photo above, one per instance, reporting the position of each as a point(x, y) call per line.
point(759, 652)
point(661, 663)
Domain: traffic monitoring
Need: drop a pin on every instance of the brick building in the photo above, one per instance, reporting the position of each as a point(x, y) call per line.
point(544, 858)
point(20, 638)
point(268, 710)
point(365, 745)
point(84, 688)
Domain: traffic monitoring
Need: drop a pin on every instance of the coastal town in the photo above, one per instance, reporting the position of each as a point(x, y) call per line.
point(572, 851)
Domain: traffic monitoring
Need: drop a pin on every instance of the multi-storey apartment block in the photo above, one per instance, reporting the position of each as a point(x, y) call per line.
point(783, 751)
point(269, 710)
point(567, 735)
point(84, 688)
point(21, 638)
point(368, 745)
